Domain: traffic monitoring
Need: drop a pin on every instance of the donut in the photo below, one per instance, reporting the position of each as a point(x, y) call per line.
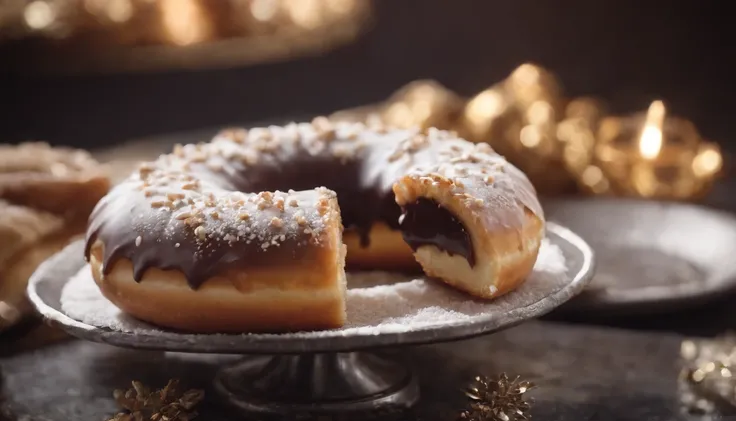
point(251, 231)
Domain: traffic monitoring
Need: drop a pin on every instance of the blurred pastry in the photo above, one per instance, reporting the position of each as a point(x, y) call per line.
point(46, 195)
point(64, 181)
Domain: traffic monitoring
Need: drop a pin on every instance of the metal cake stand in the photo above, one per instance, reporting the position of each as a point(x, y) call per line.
point(309, 371)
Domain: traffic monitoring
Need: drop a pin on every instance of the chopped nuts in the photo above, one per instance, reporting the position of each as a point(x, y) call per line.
point(179, 150)
point(145, 169)
point(200, 232)
point(183, 215)
point(236, 135)
point(214, 166)
point(277, 222)
point(322, 123)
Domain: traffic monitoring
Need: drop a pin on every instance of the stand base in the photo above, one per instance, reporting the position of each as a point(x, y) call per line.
point(314, 383)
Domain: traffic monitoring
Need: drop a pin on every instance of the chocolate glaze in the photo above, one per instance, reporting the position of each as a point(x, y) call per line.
point(359, 164)
point(165, 248)
point(426, 222)
point(362, 204)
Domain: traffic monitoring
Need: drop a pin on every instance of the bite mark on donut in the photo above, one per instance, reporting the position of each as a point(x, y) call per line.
point(426, 222)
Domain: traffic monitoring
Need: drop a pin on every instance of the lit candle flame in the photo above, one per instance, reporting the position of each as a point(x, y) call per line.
point(650, 142)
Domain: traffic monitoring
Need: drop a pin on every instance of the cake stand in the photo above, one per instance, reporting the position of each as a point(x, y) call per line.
point(330, 371)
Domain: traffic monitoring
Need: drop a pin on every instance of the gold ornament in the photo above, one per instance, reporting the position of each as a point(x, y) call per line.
point(707, 382)
point(518, 118)
point(559, 143)
point(497, 399)
point(423, 104)
point(167, 404)
point(529, 84)
point(648, 155)
point(578, 132)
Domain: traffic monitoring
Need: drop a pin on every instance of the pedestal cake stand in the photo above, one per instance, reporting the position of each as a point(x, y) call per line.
point(329, 371)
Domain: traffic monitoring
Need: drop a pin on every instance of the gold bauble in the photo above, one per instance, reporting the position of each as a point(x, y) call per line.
point(423, 104)
point(518, 118)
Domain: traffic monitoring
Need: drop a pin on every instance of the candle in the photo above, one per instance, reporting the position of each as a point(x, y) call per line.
point(651, 155)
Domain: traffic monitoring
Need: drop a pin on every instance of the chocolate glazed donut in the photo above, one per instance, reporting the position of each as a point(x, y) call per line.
point(238, 235)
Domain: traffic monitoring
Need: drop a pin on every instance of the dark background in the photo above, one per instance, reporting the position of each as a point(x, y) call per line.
point(627, 52)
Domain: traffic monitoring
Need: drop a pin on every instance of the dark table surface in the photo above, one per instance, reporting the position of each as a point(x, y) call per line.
point(583, 373)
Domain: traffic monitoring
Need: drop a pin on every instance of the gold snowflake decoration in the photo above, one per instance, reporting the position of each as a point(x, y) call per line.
point(497, 399)
point(168, 404)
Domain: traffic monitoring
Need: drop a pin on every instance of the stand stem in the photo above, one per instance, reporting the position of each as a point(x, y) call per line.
point(336, 382)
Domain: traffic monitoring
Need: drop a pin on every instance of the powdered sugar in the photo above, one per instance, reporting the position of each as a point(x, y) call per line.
point(377, 302)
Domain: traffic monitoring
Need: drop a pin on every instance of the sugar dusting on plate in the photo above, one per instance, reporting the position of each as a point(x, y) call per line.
point(377, 302)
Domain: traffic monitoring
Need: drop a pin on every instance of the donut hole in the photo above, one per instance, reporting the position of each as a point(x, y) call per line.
point(368, 210)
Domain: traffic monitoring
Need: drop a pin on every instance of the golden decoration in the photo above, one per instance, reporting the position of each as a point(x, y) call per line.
point(423, 103)
point(649, 155)
point(497, 399)
point(518, 118)
point(562, 144)
point(707, 381)
point(135, 35)
point(168, 404)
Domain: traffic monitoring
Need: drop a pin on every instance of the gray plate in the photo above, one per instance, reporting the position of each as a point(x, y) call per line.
point(650, 256)
point(45, 287)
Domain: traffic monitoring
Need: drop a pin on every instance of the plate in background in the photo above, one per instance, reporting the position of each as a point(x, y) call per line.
point(651, 256)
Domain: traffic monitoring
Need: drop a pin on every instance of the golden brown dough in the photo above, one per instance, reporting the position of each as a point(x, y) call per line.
point(297, 295)
point(386, 250)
